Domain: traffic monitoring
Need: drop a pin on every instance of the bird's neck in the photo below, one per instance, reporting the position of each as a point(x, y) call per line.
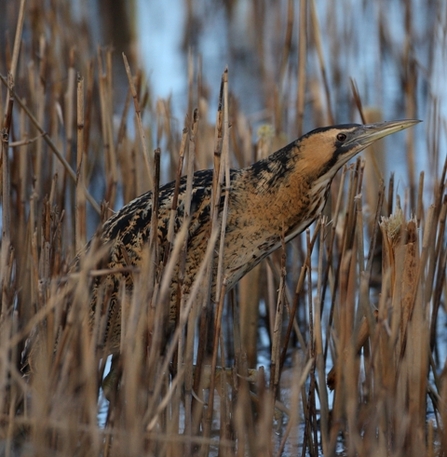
point(281, 189)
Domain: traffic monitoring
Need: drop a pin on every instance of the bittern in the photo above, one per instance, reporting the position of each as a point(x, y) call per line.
point(272, 200)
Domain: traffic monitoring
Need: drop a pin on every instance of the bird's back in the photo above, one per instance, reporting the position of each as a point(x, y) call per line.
point(127, 234)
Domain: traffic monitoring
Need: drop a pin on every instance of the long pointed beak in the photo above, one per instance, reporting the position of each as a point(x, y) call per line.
point(369, 133)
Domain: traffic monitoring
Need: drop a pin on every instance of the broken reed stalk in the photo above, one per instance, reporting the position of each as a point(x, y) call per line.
point(401, 351)
point(409, 339)
point(80, 216)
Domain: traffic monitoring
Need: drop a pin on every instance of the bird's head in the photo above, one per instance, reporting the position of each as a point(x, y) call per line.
point(325, 150)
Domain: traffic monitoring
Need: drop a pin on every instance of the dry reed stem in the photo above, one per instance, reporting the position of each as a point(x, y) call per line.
point(319, 347)
point(302, 43)
point(80, 217)
point(207, 422)
point(249, 286)
point(316, 31)
point(146, 157)
point(106, 107)
point(51, 144)
point(275, 360)
point(6, 248)
point(224, 180)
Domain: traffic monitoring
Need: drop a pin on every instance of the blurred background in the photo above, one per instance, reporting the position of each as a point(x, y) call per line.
point(289, 69)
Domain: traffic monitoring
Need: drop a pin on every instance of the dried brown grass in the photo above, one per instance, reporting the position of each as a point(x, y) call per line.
point(373, 315)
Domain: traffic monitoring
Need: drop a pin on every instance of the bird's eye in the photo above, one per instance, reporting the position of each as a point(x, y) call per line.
point(341, 137)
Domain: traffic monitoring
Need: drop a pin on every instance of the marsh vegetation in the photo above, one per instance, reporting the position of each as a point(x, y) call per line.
point(335, 345)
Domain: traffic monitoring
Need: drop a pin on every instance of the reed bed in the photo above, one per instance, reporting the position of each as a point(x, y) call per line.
point(352, 311)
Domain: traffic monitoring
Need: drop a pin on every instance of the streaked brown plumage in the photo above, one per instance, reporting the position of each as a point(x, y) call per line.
point(282, 194)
